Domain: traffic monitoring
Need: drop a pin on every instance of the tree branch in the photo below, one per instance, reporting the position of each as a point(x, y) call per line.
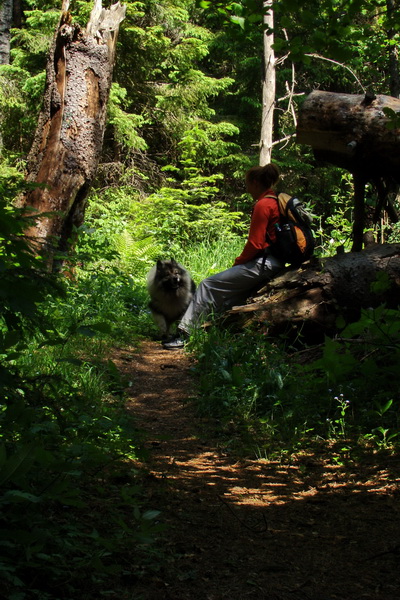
point(335, 62)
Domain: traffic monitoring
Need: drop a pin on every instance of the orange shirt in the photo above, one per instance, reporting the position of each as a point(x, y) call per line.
point(264, 216)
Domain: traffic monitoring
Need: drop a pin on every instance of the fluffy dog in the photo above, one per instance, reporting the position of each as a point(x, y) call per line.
point(170, 288)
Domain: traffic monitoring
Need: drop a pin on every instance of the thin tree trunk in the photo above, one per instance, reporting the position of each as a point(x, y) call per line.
point(68, 140)
point(6, 15)
point(359, 212)
point(269, 85)
point(393, 50)
point(17, 13)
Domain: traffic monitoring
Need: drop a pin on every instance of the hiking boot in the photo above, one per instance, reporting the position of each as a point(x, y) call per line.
point(175, 344)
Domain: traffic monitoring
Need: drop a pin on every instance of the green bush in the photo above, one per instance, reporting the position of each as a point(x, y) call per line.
point(71, 515)
point(350, 392)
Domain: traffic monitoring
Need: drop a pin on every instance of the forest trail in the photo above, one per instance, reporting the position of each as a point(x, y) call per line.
point(240, 529)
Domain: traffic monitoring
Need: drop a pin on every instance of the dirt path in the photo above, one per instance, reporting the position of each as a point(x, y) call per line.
point(252, 529)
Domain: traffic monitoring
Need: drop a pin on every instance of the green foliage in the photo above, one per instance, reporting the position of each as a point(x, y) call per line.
point(136, 256)
point(125, 125)
point(71, 514)
point(31, 44)
point(20, 97)
point(175, 221)
point(24, 282)
point(336, 229)
point(65, 524)
point(203, 145)
point(350, 392)
point(209, 257)
point(239, 376)
point(140, 230)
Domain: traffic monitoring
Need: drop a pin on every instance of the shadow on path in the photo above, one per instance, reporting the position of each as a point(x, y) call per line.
point(253, 529)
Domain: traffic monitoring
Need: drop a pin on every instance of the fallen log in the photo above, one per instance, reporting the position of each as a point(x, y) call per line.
point(313, 297)
point(360, 133)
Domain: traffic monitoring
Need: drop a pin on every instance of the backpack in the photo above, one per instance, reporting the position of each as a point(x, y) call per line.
point(294, 238)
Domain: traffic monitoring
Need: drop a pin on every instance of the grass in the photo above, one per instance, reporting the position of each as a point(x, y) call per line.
point(208, 258)
point(277, 404)
point(73, 516)
point(73, 520)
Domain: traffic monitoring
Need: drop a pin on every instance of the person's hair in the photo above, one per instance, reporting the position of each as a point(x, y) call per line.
point(266, 176)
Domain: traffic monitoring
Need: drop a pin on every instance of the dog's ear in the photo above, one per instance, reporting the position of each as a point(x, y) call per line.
point(173, 262)
point(159, 265)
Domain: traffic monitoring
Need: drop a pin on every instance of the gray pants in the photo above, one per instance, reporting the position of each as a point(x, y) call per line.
point(228, 288)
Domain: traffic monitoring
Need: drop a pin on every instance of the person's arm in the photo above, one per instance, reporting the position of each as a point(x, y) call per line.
point(262, 215)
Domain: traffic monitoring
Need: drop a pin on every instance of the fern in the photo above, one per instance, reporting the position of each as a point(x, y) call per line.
point(135, 256)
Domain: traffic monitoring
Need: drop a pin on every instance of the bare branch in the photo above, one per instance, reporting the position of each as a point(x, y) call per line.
point(335, 62)
point(285, 139)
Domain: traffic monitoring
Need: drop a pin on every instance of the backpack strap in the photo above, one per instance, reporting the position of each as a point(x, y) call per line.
point(267, 236)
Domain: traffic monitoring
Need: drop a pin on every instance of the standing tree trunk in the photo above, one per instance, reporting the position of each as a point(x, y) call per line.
point(268, 89)
point(6, 14)
point(393, 51)
point(69, 136)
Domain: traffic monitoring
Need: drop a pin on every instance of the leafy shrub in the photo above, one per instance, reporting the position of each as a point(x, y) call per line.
point(133, 232)
point(71, 513)
point(349, 392)
point(239, 375)
point(171, 217)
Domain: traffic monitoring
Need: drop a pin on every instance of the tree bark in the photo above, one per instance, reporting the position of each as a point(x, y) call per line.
point(6, 15)
point(393, 50)
point(352, 131)
point(360, 134)
point(311, 299)
point(69, 136)
point(269, 86)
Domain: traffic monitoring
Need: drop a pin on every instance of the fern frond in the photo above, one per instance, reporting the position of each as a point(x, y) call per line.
point(136, 256)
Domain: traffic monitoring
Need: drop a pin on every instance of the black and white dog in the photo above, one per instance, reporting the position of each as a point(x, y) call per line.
point(170, 288)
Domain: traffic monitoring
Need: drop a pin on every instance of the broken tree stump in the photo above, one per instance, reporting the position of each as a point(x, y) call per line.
point(312, 298)
point(69, 136)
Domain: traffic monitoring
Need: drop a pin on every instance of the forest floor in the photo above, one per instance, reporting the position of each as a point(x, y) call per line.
point(242, 528)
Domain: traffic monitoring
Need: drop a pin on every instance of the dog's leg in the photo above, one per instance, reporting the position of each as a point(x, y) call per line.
point(161, 323)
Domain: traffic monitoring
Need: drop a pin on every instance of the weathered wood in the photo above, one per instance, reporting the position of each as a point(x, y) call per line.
point(69, 136)
point(6, 12)
point(312, 298)
point(352, 131)
point(355, 132)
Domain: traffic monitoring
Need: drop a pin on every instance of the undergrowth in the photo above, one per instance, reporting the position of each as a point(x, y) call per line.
point(73, 520)
point(73, 517)
point(275, 400)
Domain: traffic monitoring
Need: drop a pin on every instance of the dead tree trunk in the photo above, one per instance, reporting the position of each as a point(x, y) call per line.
point(268, 87)
point(353, 131)
point(69, 136)
point(6, 12)
point(359, 133)
point(311, 299)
